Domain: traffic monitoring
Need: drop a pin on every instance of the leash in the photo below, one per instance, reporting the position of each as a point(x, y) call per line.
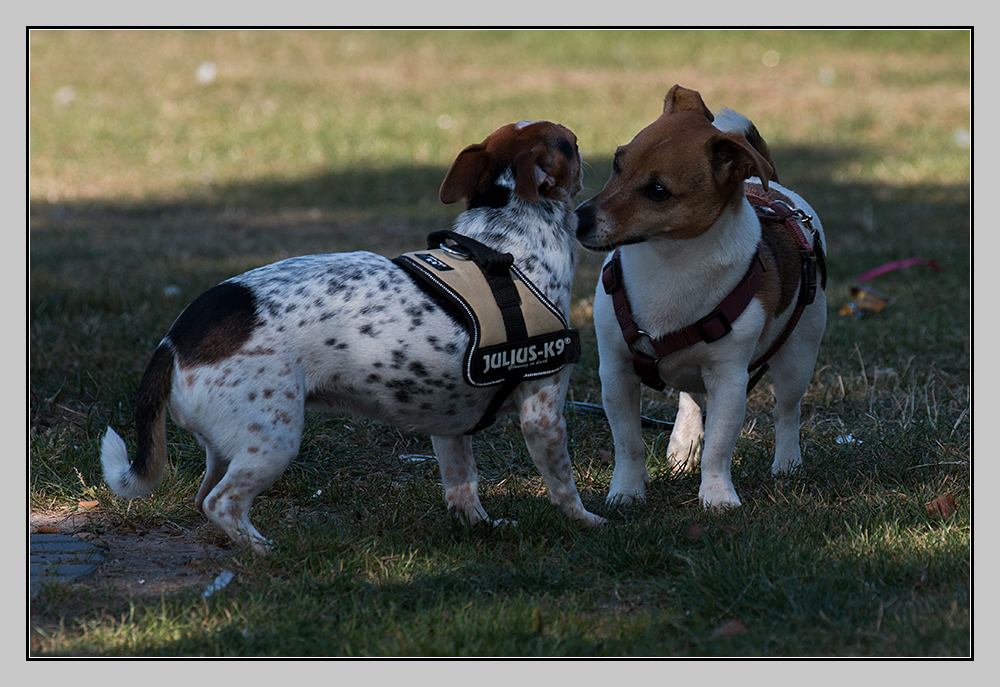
point(718, 323)
point(598, 411)
point(896, 265)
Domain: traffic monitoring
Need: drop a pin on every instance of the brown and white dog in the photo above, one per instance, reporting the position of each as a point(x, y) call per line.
point(677, 210)
point(353, 332)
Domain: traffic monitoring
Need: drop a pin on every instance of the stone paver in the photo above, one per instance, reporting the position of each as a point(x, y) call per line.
point(60, 558)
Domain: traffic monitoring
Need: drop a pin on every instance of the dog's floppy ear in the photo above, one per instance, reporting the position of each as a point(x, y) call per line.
point(734, 159)
point(536, 170)
point(681, 99)
point(466, 174)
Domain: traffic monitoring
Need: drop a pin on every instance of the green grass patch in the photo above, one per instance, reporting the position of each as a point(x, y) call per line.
point(148, 185)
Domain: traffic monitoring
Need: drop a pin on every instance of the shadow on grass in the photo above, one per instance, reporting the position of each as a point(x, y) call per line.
point(100, 265)
point(411, 192)
point(652, 587)
point(211, 232)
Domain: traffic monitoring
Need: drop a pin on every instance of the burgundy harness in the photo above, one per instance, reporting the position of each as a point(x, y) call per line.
point(718, 323)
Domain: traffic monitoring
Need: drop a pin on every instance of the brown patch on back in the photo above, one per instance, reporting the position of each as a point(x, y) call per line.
point(215, 326)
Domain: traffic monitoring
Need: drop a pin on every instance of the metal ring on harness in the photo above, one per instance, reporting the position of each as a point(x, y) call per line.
point(797, 213)
point(460, 254)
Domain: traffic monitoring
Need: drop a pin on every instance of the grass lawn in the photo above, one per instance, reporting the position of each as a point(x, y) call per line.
point(161, 163)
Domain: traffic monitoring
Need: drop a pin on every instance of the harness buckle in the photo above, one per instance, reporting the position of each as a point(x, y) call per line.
point(803, 218)
point(611, 276)
point(455, 252)
point(645, 368)
point(713, 326)
point(777, 208)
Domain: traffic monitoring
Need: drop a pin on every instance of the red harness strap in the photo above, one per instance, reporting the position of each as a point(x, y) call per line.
point(710, 328)
point(811, 256)
point(718, 323)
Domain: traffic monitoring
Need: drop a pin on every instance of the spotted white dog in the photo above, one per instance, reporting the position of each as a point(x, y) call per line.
point(353, 332)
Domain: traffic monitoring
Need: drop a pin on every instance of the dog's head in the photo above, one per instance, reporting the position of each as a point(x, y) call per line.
point(540, 160)
point(673, 179)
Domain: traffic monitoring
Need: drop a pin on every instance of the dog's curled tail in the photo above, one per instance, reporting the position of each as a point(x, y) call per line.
point(731, 122)
point(138, 478)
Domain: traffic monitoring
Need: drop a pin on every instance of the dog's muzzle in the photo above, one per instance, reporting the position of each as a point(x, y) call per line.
point(587, 230)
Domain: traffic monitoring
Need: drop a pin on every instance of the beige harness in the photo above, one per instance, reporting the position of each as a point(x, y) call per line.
point(515, 332)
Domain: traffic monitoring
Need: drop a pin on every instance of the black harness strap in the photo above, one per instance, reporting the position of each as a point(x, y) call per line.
point(497, 268)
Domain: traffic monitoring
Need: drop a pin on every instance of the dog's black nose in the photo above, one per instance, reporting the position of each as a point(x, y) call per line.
point(585, 219)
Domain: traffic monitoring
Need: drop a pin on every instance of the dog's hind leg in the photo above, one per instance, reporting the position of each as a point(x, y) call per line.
point(684, 448)
point(459, 477)
point(544, 429)
point(228, 503)
point(257, 449)
point(787, 415)
point(792, 367)
point(215, 470)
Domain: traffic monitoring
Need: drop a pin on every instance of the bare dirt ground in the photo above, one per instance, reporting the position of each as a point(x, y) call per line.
point(145, 563)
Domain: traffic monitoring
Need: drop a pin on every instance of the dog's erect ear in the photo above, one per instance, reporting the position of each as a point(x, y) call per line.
point(734, 159)
point(466, 174)
point(681, 99)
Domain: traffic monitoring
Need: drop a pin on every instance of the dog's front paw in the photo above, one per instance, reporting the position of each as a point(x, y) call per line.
point(786, 463)
point(470, 517)
point(574, 510)
point(620, 497)
point(684, 459)
point(718, 495)
point(463, 503)
point(628, 483)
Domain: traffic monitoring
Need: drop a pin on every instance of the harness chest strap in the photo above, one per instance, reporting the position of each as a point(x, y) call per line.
point(710, 328)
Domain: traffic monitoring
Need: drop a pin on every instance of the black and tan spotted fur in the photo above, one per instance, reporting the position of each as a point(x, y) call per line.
point(353, 333)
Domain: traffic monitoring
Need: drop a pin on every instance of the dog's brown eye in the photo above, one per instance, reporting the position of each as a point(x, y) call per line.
point(657, 192)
